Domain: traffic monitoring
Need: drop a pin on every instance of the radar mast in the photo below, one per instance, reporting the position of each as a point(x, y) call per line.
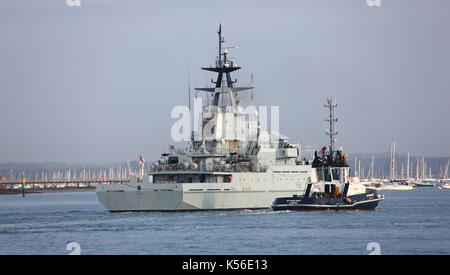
point(331, 132)
point(223, 66)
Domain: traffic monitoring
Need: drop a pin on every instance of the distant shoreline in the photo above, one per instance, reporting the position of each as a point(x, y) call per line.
point(46, 190)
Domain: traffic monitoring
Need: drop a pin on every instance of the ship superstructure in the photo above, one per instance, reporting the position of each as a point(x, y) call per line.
point(233, 163)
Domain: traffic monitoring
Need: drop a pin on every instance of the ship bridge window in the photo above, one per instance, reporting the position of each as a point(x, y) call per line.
point(323, 174)
point(327, 174)
point(319, 174)
point(172, 160)
point(336, 173)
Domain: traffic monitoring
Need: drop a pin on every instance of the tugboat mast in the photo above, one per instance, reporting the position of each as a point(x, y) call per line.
point(331, 132)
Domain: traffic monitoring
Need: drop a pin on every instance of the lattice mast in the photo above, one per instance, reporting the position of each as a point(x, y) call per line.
point(331, 132)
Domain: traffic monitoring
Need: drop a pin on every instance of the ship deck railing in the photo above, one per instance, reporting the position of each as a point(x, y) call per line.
point(208, 168)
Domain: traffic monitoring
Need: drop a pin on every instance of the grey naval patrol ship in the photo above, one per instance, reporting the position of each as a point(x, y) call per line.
point(246, 169)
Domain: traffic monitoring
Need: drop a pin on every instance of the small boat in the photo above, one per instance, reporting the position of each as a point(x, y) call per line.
point(446, 185)
point(424, 184)
point(393, 186)
point(331, 190)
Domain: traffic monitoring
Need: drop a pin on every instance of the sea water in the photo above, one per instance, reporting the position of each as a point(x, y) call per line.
point(406, 222)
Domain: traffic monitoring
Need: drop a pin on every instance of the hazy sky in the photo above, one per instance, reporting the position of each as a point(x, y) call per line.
point(97, 83)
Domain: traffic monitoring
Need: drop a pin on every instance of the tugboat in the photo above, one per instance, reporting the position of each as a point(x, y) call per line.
point(329, 188)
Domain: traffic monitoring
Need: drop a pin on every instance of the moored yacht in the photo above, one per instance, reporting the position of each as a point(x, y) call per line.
point(392, 186)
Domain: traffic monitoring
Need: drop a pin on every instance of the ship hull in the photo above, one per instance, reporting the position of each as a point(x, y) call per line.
point(424, 184)
point(247, 190)
point(366, 206)
point(354, 203)
point(138, 201)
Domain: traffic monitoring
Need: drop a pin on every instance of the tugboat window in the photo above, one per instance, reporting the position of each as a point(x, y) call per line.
point(319, 174)
point(336, 173)
point(326, 174)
